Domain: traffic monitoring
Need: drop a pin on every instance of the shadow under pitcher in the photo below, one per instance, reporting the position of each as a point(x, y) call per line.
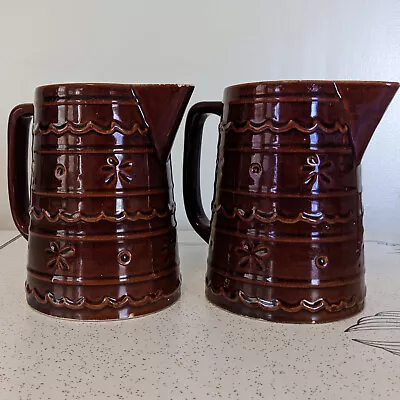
point(286, 234)
point(100, 219)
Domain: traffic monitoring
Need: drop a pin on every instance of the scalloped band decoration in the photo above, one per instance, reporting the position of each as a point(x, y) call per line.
point(314, 218)
point(270, 125)
point(62, 215)
point(277, 305)
point(106, 301)
point(80, 129)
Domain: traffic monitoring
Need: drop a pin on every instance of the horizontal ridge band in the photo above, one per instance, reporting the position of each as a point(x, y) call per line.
point(287, 239)
point(115, 194)
point(74, 281)
point(338, 193)
point(83, 151)
point(296, 150)
point(106, 238)
point(280, 283)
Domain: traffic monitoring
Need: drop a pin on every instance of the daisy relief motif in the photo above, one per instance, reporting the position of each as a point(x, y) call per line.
point(116, 170)
point(58, 255)
point(316, 170)
point(252, 255)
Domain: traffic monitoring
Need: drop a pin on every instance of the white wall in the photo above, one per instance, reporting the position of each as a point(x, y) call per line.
point(211, 44)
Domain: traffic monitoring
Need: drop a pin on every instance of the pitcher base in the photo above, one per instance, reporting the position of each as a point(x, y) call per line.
point(298, 314)
point(109, 312)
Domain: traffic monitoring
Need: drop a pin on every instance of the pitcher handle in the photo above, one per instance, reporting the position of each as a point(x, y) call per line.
point(18, 139)
point(197, 115)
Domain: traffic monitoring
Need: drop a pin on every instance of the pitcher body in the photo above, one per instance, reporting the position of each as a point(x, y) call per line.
point(286, 235)
point(102, 238)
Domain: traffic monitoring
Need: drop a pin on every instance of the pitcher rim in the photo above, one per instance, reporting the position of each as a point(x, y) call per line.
point(108, 84)
point(317, 81)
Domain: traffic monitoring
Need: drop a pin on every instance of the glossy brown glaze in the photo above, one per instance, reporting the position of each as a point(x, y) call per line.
point(286, 236)
point(102, 238)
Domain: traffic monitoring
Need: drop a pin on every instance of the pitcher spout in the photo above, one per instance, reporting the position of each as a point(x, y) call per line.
point(364, 104)
point(163, 107)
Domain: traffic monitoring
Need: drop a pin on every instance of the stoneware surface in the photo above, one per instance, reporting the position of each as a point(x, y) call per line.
point(194, 350)
point(286, 237)
point(101, 215)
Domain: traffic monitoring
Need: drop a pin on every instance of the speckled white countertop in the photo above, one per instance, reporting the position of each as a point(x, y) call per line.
point(194, 350)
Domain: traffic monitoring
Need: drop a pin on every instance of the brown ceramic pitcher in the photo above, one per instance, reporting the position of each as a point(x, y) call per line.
point(286, 235)
point(100, 219)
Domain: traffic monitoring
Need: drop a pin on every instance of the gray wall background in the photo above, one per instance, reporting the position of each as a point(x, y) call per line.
point(211, 44)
